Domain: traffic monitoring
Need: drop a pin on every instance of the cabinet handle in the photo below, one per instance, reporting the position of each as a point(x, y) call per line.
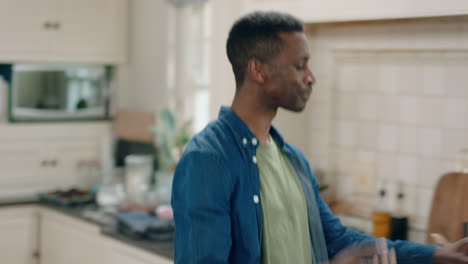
point(53, 163)
point(47, 25)
point(36, 254)
point(49, 163)
point(44, 163)
point(56, 25)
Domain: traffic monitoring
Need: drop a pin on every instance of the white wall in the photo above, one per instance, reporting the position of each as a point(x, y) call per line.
point(223, 86)
point(391, 97)
point(148, 45)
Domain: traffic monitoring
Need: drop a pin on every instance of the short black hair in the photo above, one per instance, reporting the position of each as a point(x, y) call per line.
point(255, 35)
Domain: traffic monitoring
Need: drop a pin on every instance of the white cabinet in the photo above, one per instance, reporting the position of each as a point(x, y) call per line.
point(22, 28)
point(337, 10)
point(65, 240)
point(89, 29)
point(34, 165)
point(39, 235)
point(19, 235)
point(63, 30)
point(42, 157)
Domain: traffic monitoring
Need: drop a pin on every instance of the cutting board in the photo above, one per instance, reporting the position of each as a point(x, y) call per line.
point(449, 207)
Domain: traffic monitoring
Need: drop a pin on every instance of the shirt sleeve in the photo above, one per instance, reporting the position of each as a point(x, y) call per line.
point(338, 237)
point(201, 202)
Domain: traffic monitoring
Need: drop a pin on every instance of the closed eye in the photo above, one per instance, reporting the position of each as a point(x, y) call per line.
point(300, 67)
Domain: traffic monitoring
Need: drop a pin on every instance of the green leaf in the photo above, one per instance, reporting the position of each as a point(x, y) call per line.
point(184, 134)
point(170, 138)
point(168, 120)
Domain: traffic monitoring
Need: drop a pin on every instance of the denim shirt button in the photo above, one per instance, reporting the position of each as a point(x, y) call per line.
point(255, 199)
point(254, 159)
point(244, 141)
point(254, 141)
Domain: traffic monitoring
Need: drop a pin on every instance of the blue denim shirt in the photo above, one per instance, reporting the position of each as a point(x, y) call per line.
point(217, 206)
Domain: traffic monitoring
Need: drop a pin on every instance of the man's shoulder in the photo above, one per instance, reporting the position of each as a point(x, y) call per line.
point(214, 148)
point(214, 140)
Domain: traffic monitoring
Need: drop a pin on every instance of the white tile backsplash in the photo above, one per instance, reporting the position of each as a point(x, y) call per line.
point(402, 96)
point(409, 110)
point(433, 79)
point(387, 166)
point(347, 132)
point(430, 171)
point(430, 142)
point(319, 142)
point(408, 139)
point(455, 113)
point(410, 199)
point(367, 107)
point(388, 79)
point(408, 169)
point(388, 108)
point(425, 196)
point(430, 112)
point(453, 141)
point(343, 184)
point(345, 159)
point(319, 116)
point(456, 81)
point(418, 222)
point(366, 156)
point(369, 77)
point(388, 137)
point(346, 107)
point(367, 135)
point(346, 79)
point(409, 79)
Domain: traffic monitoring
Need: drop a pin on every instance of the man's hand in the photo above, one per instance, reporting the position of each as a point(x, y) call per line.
point(373, 252)
point(456, 253)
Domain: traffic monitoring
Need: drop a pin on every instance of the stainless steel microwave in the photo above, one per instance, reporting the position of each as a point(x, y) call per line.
point(59, 92)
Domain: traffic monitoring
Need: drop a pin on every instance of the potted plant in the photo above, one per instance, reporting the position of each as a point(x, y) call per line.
point(171, 139)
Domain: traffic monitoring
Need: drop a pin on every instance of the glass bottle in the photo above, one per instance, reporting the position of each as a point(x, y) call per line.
point(381, 217)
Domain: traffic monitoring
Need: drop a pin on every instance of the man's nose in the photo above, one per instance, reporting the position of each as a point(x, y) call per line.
point(310, 78)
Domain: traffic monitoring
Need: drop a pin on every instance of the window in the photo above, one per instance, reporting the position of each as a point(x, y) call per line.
point(189, 62)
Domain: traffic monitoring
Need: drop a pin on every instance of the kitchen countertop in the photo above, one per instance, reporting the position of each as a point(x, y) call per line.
point(107, 224)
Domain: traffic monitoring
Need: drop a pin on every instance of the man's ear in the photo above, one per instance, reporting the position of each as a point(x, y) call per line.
point(256, 70)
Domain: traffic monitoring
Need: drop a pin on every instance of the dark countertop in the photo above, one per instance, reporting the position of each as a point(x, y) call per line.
point(107, 223)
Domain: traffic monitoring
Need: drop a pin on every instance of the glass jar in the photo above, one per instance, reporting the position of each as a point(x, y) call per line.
point(138, 171)
point(164, 185)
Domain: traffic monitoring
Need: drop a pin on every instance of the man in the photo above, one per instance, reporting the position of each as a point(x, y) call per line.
point(241, 194)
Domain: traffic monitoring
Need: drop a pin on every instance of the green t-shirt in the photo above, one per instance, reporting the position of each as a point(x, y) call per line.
point(285, 236)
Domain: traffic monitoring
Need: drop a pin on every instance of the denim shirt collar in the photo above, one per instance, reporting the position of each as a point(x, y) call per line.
point(242, 131)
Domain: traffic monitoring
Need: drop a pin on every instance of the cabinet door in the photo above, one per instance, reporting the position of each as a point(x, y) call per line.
point(24, 168)
point(69, 241)
point(89, 30)
point(23, 34)
point(19, 235)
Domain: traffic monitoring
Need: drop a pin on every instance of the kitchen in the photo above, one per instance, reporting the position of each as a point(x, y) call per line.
point(390, 108)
